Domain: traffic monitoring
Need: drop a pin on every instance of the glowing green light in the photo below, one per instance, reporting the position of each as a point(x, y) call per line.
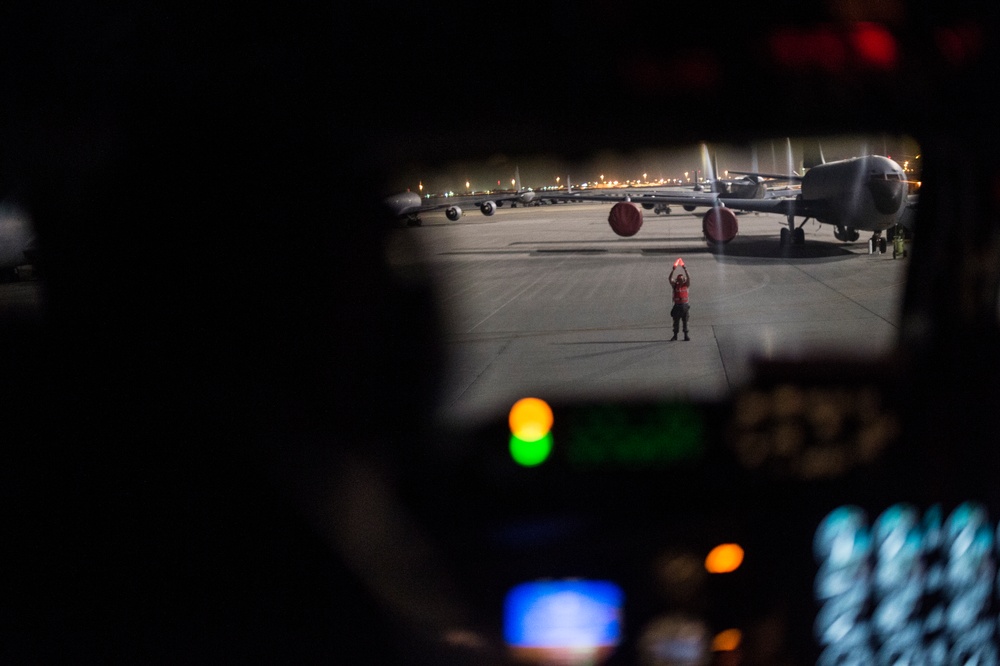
point(529, 454)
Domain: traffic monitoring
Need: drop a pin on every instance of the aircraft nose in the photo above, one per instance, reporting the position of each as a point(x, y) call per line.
point(887, 195)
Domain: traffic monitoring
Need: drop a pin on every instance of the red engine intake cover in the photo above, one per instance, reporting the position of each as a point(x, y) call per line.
point(719, 225)
point(625, 218)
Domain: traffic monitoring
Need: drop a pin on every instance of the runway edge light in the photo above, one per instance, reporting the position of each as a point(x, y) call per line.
point(530, 422)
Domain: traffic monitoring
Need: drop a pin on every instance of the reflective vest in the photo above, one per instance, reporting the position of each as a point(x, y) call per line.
point(680, 293)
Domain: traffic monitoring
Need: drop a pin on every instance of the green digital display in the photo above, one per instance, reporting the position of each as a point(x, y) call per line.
point(655, 435)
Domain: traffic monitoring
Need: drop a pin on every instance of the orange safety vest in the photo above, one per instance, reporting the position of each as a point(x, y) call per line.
point(680, 293)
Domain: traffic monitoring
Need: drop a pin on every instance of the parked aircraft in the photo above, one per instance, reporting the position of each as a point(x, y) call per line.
point(857, 194)
point(408, 206)
point(751, 185)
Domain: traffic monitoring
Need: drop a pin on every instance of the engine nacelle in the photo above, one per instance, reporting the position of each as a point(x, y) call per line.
point(648, 206)
point(719, 225)
point(488, 208)
point(845, 234)
point(625, 218)
point(688, 208)
point(453, 213)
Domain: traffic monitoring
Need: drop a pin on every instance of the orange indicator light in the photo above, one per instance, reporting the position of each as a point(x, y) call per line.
point(530, 419)
point(727, 641)
point(724, 558)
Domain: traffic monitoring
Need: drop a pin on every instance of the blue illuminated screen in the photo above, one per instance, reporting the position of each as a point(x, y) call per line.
point(562, 614)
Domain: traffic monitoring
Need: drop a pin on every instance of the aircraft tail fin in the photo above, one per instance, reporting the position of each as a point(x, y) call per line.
point(708, 169)
point(812, 155)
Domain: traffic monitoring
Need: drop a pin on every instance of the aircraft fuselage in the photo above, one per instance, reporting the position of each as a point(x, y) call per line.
point(402, 203)
point(865, 193)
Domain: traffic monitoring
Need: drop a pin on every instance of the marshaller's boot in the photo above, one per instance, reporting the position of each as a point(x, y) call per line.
point(686, 336)
point(675, 336)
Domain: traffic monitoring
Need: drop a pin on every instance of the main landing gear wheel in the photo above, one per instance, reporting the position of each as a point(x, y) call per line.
point(795, 236)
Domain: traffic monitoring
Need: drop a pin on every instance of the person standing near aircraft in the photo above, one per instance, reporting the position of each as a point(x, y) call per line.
point(680, 284)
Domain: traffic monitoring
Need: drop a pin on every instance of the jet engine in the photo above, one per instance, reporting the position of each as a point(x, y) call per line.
point(625, 218)
point(453, 213)
point(719, 225)
point(488, 208)
point(845, 234)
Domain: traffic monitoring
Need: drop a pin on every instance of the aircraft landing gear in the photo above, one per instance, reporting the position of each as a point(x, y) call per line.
point(796, 235)
point(414, 221)
point(876, 244)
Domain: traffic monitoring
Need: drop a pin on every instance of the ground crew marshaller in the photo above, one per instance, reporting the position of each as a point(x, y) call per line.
point(680, 285)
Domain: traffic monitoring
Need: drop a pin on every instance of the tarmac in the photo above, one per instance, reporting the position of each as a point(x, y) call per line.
point(547, 301)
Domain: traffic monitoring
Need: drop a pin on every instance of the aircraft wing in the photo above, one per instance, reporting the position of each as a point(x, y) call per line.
point(778, 205)
point(781, 177)
point(671, 198)
point(409, 205)
point(777, 201)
